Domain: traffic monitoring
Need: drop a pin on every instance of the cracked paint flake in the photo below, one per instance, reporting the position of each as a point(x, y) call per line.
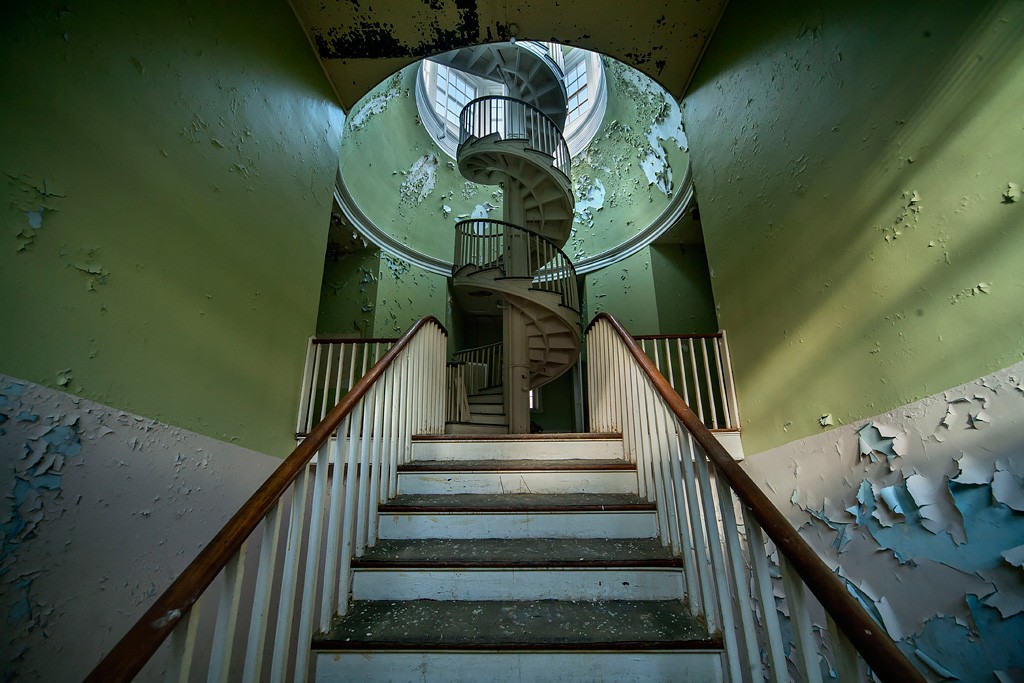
point(420, 179)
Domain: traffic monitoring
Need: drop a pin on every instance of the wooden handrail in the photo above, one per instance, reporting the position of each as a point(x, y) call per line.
point(870, 639)
point(132, 652)
point(329, 339)
point(709, 335)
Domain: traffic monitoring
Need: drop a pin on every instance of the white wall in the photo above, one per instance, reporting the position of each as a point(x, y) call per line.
point(101, 510)
point(944, 574)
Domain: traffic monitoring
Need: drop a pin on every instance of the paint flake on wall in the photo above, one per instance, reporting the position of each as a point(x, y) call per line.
point(942, 516)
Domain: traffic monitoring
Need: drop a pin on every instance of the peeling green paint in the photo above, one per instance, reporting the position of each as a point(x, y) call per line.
point(851, 164)
point(163, 206)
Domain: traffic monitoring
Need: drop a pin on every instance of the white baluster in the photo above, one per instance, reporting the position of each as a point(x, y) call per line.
point(800, 620)
point(309, 582)
point(766, 598)
point(227, 618)
point(262, 594)
point(182, 645)
point(329, 599)
point(283, 634)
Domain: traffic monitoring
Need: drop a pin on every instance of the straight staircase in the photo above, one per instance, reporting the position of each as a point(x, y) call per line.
point(383, 549)
point(518, 559)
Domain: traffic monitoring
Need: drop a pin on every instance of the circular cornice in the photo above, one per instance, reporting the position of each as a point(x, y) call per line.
point(388, 244)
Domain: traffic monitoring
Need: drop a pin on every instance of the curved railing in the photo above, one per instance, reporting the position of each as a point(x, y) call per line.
point(516, 252)
point(326, 520)
point(512, 119)
point(551, 53)
point(699, 489)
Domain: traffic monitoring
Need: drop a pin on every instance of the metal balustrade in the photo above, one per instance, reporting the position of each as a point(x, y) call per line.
point(517, 252)
point(512, 119)
point(713, 516)
point(280, 569)
point(333, 365)
point(699, 368)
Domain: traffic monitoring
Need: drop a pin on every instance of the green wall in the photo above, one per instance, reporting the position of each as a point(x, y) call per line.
point(683, 289)
point(402, 181)
point(661, 289)
point(373, 294)
point(853, 162)
point(348, 294)
point(399, 178)
point(406, 293)
point(182, 160)
point(615, 198)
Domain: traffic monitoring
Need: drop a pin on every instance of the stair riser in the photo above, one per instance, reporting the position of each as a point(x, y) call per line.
point(517, 584)
point(519, 525)
point(487, 409)
point(463, 428)
point(518, 482)
point(534, 449)
point(556, 667)
point(483, 419)
point(485, 399)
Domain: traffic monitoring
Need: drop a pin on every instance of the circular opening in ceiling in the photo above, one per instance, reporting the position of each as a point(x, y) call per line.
point(400, 186)
point(442, 91)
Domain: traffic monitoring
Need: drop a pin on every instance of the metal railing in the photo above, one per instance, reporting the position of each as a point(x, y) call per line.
point(482, 367)
point(517, 252)
point(298, 533)
point(729, 577)
point(333, 365)
point(512, 119)
point(699, 368)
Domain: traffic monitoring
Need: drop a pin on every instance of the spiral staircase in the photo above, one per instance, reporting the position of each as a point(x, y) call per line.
point(514, 269)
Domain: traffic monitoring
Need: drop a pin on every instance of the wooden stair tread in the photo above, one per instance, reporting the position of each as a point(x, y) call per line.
point(517, 625)
point(518, 465)
point(517, 553)
point(516, 502)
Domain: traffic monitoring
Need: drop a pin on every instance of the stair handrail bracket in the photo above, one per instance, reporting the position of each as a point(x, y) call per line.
point(698, 488)
point(321, 502)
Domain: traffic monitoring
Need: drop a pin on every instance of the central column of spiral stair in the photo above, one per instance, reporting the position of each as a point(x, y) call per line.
point(517, 264)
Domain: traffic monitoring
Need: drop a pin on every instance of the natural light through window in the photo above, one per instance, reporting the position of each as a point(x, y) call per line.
point(453, 93)
point(576, 87)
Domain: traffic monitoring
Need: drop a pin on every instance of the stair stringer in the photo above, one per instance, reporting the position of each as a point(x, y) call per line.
point(547, 320)
point(548, 202)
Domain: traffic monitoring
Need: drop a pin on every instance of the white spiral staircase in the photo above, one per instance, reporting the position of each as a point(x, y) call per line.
point(515, 267)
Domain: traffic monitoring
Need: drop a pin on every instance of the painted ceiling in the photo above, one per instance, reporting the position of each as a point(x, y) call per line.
point(360, 43)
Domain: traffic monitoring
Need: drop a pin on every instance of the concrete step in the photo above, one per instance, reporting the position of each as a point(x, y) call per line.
point(588, 475)
point(518, 447)
point(537, 640)
point(522, 515)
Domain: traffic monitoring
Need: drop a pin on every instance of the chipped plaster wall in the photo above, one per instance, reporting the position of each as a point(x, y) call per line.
point(409, 188)
point(348, 295)
point(921, 512)
point(853, 163)
point(637, 162)
point(658, 290)
point(164, 208)
point(399, 178)
point(626, 290)
point(406, 293)
point(683, 289)
point(102, 509)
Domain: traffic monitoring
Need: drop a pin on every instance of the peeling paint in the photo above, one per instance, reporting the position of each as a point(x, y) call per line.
point(901, 508)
